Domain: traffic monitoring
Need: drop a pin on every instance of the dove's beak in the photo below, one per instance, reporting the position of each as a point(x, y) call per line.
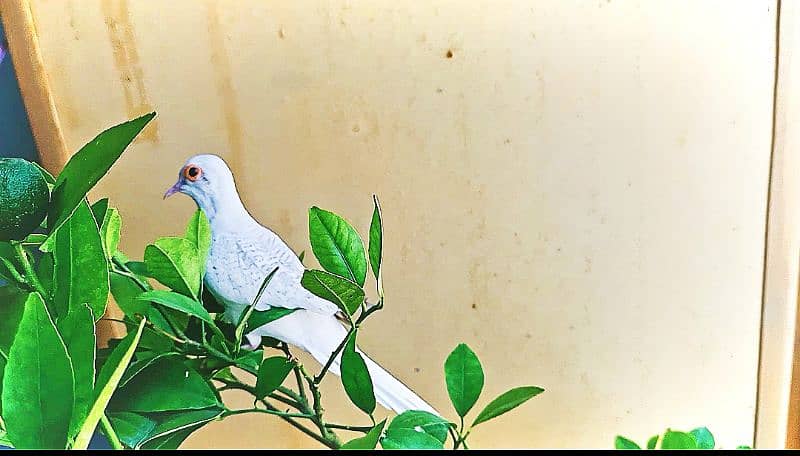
point(174, 189)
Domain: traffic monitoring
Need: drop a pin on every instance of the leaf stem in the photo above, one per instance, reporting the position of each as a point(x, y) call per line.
point(27, 269)
point(335, 353)
point(108, 430)
point(364, 429)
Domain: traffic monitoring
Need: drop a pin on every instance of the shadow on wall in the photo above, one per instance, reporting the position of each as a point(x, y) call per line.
point(16, 139)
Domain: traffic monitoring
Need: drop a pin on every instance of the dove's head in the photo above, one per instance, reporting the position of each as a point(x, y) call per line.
point(209, 181)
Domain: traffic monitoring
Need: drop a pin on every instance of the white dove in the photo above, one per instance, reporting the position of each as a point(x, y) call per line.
point(243, 252)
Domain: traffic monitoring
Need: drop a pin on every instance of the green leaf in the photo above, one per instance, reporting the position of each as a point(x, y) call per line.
point(336, 245)
point(245, 317)
point(250, 361)
point(138, 268)
point(166, 385)
point(302, 256)
point(198, 232)
point(125, 291)
point(99, 209)
point(107, 381)
point(46, 174)
point(46, 272)
point(743, 447)
point(420, 421)
point(621, 443)
point(174, 427)
point(507, 401)
point(368, 441)
point(178, 302)
point(173, 262)
point(77, 331)
point(138, 365)
point(81, 267)
point(407, 439)
point(356, 379)
point(38, 382)
point(12, 306)
point(464, 378)
point(704, 438)
point(376, 238)
point(87, 166)
point(676, 440)
point(651, 444)
point(345, 294)
point(262, 317)
point(271, 374)
point(110, 231)
point(150, 430)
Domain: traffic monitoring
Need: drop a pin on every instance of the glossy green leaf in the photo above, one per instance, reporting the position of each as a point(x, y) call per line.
point(78, 333)
point(110, 231)
point(369, 441)
point(337, 245)
point(507, 401)
point(241, 325)
point(137, 366)
point(704, 438)
point(464, 378)
point(651, 444)
point(743, 447)
point(151, 430)
point(174, 427)
point(408, 439)
point(38, 382)
point(173, 262)
point(198, 232)
point(138, 268)
point(46, 270)
point(12, 306)
point(420, 421)
point(99, 209)
point(87, 166)
point(81, 268)
point(676, 440)
point(46, 174)
point(178, 302)
point(261, 317)
point(271, 374)
point(125, 291)
point(356, 379)
point(166, 385)
point(34, 239)
point(621, 443)
point(376, 238)
point(107, 380)
point(250, 361)
point(345, 294)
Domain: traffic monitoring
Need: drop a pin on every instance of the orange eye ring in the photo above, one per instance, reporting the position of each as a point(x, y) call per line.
point(192, 172)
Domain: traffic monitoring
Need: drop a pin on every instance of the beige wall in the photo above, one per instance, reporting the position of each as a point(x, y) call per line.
point(579, 193)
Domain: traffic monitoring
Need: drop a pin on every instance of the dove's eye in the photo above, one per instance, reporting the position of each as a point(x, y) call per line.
point(192, 172)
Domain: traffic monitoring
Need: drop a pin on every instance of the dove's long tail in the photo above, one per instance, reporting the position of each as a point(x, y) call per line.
point(319, 335)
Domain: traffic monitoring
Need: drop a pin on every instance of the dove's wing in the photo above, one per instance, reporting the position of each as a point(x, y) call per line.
point(238, 264)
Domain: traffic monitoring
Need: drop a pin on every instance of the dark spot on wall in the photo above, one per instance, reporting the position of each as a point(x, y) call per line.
point(474, 306)
point(449, 54)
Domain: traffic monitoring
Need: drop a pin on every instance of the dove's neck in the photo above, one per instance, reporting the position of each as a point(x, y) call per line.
point(226, 213)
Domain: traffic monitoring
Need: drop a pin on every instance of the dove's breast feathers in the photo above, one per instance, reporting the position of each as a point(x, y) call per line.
point(237, 264)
